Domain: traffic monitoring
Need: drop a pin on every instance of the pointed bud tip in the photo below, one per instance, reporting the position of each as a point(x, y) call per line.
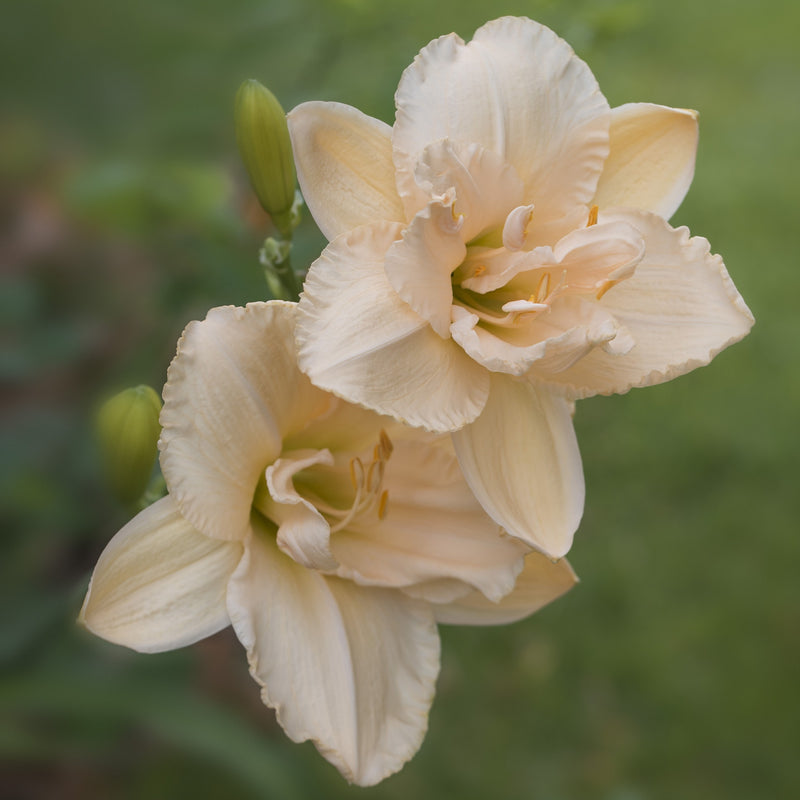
point(262, 136)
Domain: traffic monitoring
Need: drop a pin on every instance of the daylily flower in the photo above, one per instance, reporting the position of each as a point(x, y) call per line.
point(500, 252)
point(332, 539)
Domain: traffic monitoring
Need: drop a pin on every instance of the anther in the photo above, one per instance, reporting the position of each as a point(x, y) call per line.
point(386, 444)
point(382, 504)
point(593, 211)
point(479, 270)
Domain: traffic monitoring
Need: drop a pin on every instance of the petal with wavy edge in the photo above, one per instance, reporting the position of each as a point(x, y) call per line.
point(433, 528)
point(518, 90)
point(540, 582)
point(650, 165)
point(352, 668)
point(160, 584)
point(233, 391)
point(680, 307)
point(359, 340)
point(344, 166)
point(560, 338)
point(485, 187)
point(303, 533)
point(419, 266)
point(521, 459)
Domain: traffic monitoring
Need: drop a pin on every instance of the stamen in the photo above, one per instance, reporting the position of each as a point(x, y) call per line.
point(353, 474)
point(386, 444)
point(382, 504)
point(605, 287)
point(543, 288)
point(479, 270)
point(593, 211)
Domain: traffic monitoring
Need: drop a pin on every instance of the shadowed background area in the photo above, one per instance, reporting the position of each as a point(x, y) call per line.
point(669, 672)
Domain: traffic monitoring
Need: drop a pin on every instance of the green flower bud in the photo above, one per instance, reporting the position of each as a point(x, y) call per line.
point(128, 431)
point(266, 149)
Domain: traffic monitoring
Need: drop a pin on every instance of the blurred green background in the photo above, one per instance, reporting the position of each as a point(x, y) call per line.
point(671, 671)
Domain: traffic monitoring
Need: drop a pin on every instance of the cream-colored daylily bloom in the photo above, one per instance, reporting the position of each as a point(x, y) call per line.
point(331, 538)
point(500, 252)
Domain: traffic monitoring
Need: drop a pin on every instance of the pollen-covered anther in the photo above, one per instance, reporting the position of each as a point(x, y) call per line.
point(593, 212)
point(383, 505)
point(605, 287)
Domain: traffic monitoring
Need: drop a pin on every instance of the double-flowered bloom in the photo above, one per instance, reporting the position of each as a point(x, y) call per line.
point(333, 540)
point(500, 252)
point(397, 449)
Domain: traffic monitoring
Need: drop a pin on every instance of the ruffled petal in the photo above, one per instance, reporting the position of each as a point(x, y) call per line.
point(561, 337)
point(303, 533)
point(433, 528)
point(344, 166)
point(539, 583)
point(160, 584)
point(521, 459)
point(419, 266)
point(352, 668)
point(233, 391)
point(651, 161)
point(485, 188)
point(518, 90)
point(680, 307)
point(358, 339)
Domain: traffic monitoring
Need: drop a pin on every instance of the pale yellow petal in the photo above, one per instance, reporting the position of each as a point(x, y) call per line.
point(352, 668)
point(419, 266)
point(517, 90)
point(359, 340)
point(521, 459)
point(344, 166)
point(680, 309)
point(160, 584)
point(432, 528)
point(539, 583)
point(651, 162)
point(233, 392)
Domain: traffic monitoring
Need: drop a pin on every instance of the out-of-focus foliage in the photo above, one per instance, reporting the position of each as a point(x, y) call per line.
point(669, 672)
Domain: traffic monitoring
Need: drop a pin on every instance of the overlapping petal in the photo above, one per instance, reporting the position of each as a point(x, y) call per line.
point(350, 667)
point(680, 308)
point(344, 166)
point(518, 90)
point(160, 584)
point(539, 583)
point(650, 165)
point(212, 457)
point(358, 339)
point(433, 529)
point(521, 459)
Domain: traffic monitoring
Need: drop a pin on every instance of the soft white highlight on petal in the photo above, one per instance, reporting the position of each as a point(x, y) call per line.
point(433, 528)
point(651, 161)
point(539, 583)
point(358, 339)
point(521, 459)
point(518, 90)
point(419, 266)
point(233, 391)
point(344, 166)
point(159, 584)
point(680, 308)
point(350, 667)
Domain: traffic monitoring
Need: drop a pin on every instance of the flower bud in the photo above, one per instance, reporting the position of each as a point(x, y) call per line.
point(128, 431)
point(266, 149)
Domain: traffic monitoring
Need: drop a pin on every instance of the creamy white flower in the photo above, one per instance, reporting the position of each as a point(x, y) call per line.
point(500, 252)
point(331, 538)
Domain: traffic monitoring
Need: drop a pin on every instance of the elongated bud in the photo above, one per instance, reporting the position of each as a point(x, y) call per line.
point(266, 149)
point(128, 431)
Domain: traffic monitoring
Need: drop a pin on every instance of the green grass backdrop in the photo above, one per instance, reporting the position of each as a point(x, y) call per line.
point(671, 671)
